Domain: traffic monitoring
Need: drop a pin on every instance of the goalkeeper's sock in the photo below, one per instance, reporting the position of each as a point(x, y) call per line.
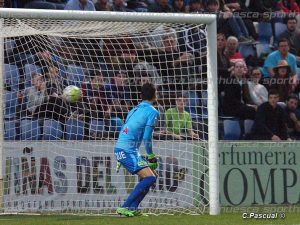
point(139, 190)
point(134, 205)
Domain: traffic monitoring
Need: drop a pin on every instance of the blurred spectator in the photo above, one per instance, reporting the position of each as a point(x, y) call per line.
point(122, 54)
point(36, 94)
point(196, 6)
point(96, 96)
point(223, 62)
point(137, 5)
point(281, 80)
point(5, 4)
point(281, 54)
point(135, 87)
point(83, 5)
point(293, 122)
point(179, 122)
point(40, 104)
point(288, 6)
point(232, 5)
point(234, 99)
point(231, 50)
point(262, 6)
point(178, 6)
point(171, 62)
point(161, 6)
point(67, 53)
point(54, 83)
point(120, 93)
point(292, 35)
point(270, 120)
point(258, 92)
point(160, 130)
point(119, 6)
point(102, 5)
point(145, 69)
point(227, 22)
point(238, 8)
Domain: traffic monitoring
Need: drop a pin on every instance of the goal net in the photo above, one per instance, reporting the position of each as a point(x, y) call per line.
point(58, 156)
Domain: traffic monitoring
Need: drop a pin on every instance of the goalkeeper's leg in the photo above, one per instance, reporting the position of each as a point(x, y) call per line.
point(141, 189)
point(135, 204)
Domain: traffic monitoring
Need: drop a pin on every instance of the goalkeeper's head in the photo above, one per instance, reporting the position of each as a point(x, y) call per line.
point(148, 92)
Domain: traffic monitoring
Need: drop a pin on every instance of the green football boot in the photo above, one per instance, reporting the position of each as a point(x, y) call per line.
point(125, 212)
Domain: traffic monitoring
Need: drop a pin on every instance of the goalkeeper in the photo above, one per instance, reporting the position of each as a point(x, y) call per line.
point(138, 128)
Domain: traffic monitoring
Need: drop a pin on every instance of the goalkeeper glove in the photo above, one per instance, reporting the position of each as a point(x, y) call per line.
point(118, 167)
point(152, 161)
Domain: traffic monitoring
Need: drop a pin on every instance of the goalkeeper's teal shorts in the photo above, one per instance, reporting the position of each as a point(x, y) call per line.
point(133, 162)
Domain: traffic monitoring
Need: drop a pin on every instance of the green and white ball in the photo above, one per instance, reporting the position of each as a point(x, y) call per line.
point(72, 94)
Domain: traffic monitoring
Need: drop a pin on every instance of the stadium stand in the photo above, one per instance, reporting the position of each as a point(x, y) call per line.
point(22, 66)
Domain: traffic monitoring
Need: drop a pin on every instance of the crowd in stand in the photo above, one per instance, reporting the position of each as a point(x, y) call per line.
point(257, 70)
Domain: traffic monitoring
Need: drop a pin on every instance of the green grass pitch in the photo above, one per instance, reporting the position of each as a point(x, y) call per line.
point(224, 219)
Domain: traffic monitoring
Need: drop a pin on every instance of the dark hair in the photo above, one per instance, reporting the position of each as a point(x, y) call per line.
point(195, 2)
point(52, 64)
point(148, 91)
point(286, 19)
point(95, 73)
point(212, 2)
point(292, 96)
point(282, 40)
point(181, 95)
point(273, 92)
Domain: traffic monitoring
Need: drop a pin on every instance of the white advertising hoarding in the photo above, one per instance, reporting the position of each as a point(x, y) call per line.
point(41, 176)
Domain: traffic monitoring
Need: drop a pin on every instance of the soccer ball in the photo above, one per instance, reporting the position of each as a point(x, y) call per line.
point(72, 94)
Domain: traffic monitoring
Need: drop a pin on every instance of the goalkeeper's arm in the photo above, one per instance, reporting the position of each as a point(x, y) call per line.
point(148, 147)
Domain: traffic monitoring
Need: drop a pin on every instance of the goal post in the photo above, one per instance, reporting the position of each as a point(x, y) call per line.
point(68, 40)
point(1, 114)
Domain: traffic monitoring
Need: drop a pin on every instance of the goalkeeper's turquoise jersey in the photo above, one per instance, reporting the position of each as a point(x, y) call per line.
point(138, 127)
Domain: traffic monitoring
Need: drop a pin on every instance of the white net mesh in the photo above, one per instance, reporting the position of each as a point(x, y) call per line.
point(58, 156)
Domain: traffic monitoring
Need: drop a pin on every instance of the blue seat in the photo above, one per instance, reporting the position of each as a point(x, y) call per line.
point(262, 48)
point(9, 130)
point(26, 58)
point(192, 104)
point(11, 101)
point(12, 76)
point(96, 126)
point(115, 124)
point(52, 130)
point(30, 129)
point(9, 46)
point(75, 75)
point(232, 129)
point(29, 70)
point(247, 50)
point(279, 29)
point(74, 129)
point(248, 126)
point(265, 32)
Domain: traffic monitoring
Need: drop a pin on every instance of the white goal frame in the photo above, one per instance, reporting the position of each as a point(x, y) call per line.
point(208, 19)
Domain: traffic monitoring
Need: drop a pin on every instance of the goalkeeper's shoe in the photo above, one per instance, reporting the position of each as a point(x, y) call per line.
point(125, 212)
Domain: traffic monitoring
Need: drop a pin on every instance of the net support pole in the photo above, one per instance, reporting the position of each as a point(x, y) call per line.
point(2, 74)
point(212, 105)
